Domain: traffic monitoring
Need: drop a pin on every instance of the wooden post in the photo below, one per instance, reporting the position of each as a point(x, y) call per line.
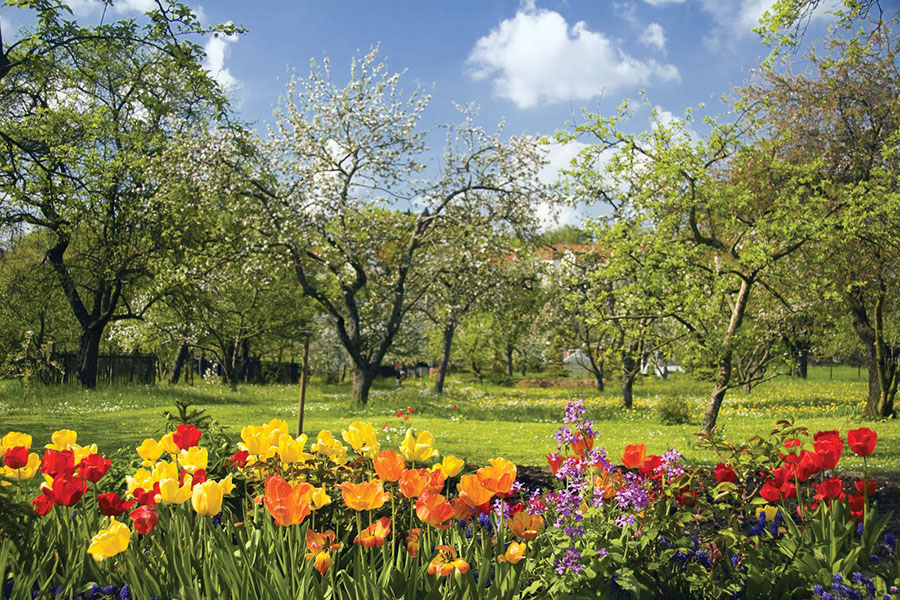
point(304, 375)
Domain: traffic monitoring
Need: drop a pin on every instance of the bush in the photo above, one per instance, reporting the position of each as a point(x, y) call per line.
point(674, 410)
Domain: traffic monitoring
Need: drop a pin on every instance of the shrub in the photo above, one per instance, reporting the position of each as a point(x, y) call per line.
point(674, 410)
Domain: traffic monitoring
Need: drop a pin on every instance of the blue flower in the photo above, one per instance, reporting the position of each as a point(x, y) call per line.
point(818, 590)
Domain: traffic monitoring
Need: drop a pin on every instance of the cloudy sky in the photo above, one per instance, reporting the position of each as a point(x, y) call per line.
point(534, 64)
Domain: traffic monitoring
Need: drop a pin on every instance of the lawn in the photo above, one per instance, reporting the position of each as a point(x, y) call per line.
point(488, 421)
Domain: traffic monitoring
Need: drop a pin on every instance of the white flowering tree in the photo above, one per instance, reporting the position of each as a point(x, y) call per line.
point(341, 192)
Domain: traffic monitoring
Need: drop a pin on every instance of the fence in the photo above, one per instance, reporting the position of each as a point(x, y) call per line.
point(111, 368)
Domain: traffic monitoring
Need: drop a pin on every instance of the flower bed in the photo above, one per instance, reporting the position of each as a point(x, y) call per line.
point(190, 516)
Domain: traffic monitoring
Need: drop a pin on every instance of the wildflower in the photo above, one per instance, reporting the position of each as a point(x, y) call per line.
point(570, 562)
point(110, 541)
point(447, 562)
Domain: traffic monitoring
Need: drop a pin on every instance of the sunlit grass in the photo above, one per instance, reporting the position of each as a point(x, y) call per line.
point(489, 420)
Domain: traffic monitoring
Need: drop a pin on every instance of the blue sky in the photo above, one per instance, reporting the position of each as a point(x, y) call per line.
point(532, 63)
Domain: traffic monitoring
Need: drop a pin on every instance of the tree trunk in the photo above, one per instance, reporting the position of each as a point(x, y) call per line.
point(882, 358)
point(362, 382)
point(509, 361)
point(88, 351)
point(449, 330)
point(598, 375)
point(629, 372)
point(802, 363)
point(723, 377)
point(523, 370)
point(180, 357)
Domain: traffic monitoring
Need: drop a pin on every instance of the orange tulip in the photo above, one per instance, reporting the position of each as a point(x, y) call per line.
point(413, 482)
point(389, 465)
point(498, 476)
point(525, 526)
point(461, 510)
point(368, 495)
point(287, 503)
point(412, 542)
point(320, 542)
point(634, 456)
point(472, 492)
point(514, 554)
point(433, 509)
point(446, 562)
point(374, 534)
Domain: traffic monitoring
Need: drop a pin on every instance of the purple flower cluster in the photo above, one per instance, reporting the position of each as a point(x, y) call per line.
point(633, 495)
point(569, 563)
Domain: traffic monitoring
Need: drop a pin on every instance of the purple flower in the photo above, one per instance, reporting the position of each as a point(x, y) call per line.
point(574, 412)
point(570, 562)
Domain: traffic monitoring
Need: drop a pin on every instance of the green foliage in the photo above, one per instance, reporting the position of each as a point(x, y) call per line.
point(673, 410)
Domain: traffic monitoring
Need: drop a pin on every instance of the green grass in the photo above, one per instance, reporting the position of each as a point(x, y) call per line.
point(490, 421)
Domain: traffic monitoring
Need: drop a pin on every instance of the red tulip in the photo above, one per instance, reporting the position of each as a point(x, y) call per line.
point(582, 444)
point(238, 459)
point(810, 463)
point(830, 489)
point(634, 456)
point(112, 505)
point(55, 462)
point(770, 493)
point(830, 448)
point(94, 467)
point(833, 433)
point(864, 486)
point(555, 460)
point(68, 489)
point(186, 436)
point(147, 497)
point(687, 498)
point(862, 441)
point(791, 443)
point(145, 519)
point(16, 458)
point(788, 490)
point(857, 504)
point(42, 504)
point(724, 472)
point(650, 466)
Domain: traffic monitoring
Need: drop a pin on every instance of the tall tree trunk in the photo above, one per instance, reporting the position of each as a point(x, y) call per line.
point(509, 361)
point(629, 371)
point(884, 372)
point(362, 379)
point(598, 375)
point(88, 351)
point(178, 364)
point(449, 330)
point(723, 376)
point(523, 369)
point(802, 363)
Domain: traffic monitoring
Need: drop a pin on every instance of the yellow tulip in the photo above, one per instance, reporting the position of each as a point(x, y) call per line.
point(82, 452)
point(141, 479)
point(770, 512)
point(256, 441)
point(451, 467)
point(150, 450)
point(14, 439)
point(168, 443)
point(171, 493)
point(207, 498)
point(227, 485)
point(290, 450)
point(318, 498)
point(418, 449)
point(63, 439)
point(277, 427)
point(330, 447)
point(362, 438)
point(164, 470)
point(193, 459)
point(110, 541)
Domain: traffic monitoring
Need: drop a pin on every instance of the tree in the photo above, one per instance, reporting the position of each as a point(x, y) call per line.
point(849, 99)
point(333, 192)
point(85, 114)
point(720, 215)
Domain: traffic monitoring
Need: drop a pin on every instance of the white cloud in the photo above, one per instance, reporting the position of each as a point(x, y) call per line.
point(10, 31)
point(92, 8)
point(217, 50)
point(736, 19)
point(654, 36)
point(559, 157)
point(536, 57)
point(663, 2)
